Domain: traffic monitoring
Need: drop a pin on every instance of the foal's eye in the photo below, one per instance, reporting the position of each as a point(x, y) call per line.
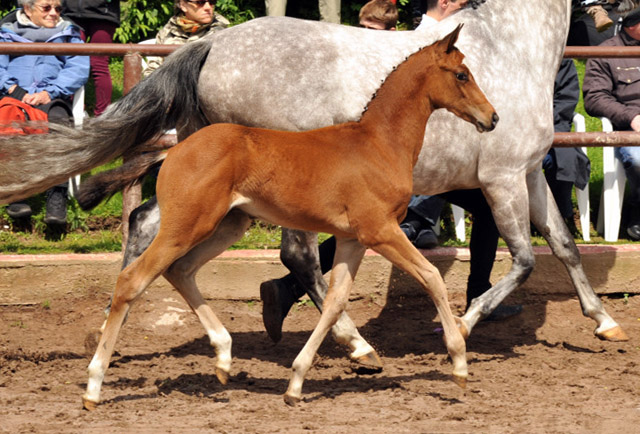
point(462, 76)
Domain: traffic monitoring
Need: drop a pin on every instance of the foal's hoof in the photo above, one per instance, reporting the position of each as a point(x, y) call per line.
point(615, 334)
point(223, 376)
point(89, 405)
point(460, 381)
point(291, 400)
point(91, 342)
point(370, 361)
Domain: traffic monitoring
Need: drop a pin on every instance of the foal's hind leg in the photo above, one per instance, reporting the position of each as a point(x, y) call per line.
point(174, 240)
point(299, 253)
point(546, 217)
point(348, 256)
point(182, 274)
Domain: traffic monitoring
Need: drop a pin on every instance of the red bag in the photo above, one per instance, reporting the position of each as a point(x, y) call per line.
point(15, 116)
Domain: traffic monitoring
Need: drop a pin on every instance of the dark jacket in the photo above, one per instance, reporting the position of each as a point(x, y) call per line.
point(107, 10)
point(612, 86)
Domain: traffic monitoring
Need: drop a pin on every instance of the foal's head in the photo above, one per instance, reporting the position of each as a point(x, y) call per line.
point(453, 87)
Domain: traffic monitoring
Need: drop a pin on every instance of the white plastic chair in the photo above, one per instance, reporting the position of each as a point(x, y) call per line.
point(610, 211)
point(77, 109)
point(583, 195)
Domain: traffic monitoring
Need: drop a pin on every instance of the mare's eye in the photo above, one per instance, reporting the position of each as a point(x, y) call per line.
point(462, 76)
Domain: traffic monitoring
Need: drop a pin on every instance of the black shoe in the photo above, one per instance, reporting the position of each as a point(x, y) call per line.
point(409, 230)
point(277, 298)
point(633, 231)
point(503, 312)
point(18, 210)
point(426, 239)
point(56, 206)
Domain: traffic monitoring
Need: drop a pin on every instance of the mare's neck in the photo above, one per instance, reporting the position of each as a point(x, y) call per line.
point(401, 107)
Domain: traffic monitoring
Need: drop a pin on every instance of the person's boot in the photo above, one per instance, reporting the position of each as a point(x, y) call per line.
point(277, 295)
point(18, 210)
point(56, 206)
point(600, 17)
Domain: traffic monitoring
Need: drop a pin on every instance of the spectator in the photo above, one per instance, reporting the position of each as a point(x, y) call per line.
point(379, 15)
point(612, 89)
point(584, 32)
point(564, 167)
point(44, 81)
point(192, 20)
point(329, 9)
point(98, 20)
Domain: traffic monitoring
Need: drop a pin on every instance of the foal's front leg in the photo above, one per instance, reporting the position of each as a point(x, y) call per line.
point(348, 256)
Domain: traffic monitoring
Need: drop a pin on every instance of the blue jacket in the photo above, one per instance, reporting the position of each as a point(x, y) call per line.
point(60, 76)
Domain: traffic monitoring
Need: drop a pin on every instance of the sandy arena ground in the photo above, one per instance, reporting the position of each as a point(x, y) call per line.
point(541, 372)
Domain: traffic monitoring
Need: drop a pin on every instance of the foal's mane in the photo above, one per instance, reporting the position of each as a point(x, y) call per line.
point(393, 71)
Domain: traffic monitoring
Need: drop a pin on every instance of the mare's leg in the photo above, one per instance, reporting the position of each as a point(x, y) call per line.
point(348, 256)
point(300, 254)
point(510, 209)
point(391, 243)
point(182, 275)
point(546, 217)
point(181, 232)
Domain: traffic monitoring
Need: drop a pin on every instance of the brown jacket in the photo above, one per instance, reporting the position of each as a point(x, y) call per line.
point(612, 86)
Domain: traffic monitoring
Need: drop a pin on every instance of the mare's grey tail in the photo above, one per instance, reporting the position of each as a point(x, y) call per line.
point(166, 99)
point(105, 184)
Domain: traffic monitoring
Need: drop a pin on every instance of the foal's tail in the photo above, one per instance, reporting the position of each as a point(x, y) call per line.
point(167, 99)
point(107, 183)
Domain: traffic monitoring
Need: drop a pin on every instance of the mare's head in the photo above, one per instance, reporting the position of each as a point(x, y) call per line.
point(455, 89)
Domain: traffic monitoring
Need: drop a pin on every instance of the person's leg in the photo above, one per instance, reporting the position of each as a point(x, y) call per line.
point(422, 217)
point(329, 11)
point(276, 8)
point(630, 158)
point(561, 190)
point(98, 31)
point(56, 204)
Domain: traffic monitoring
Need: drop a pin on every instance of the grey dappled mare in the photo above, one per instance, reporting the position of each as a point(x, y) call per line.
point(329, 75)
point(314, 74)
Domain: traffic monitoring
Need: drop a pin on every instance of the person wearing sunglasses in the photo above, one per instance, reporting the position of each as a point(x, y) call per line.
point(98, 20)
point(47, 82)
point(192, 20)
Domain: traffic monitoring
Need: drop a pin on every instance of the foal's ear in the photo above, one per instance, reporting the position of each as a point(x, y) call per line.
point(452, 38)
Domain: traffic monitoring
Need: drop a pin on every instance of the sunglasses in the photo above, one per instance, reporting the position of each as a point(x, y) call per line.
point(201, 3)
point(47, 8)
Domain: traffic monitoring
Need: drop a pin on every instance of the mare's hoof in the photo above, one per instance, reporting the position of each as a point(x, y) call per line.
point(89, 405)
point(615, 334)
point(371, 360)
point(272, 310)
point(91, 342)
point(291, 400)
point(460, 381)
point(223, 376)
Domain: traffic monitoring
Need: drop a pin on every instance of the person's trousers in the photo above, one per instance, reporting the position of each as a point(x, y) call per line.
point(329, 9)
point(99, 31)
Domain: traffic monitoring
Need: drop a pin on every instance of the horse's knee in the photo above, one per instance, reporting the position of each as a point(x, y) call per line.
point(525, 263)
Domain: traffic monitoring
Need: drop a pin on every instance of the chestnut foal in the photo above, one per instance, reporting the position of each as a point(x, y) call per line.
point(353, 180)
